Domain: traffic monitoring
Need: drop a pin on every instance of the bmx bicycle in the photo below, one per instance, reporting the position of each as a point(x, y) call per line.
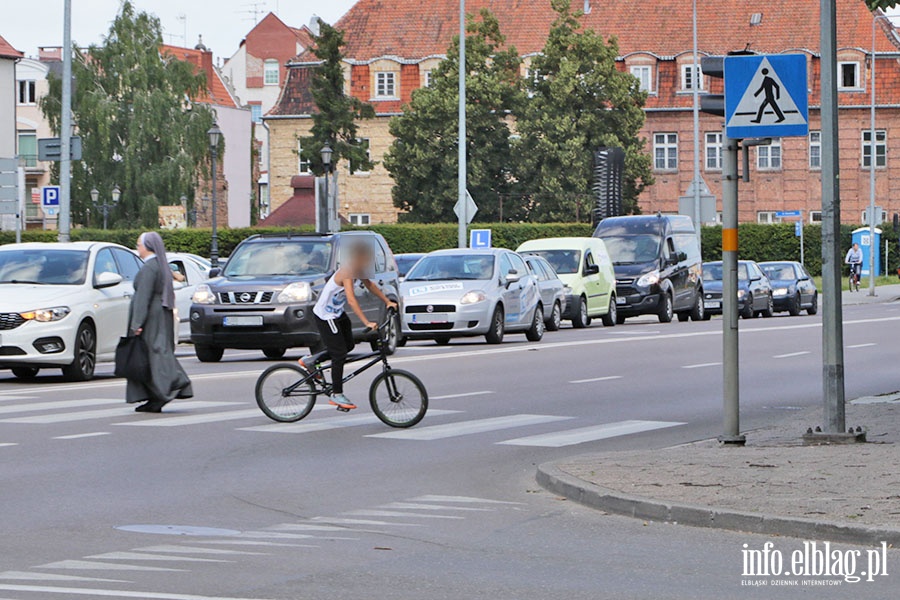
point(287, 392)
point(855, 270)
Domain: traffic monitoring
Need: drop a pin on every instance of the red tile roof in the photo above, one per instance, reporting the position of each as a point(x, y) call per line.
point(217, 92)
point(296, 97)
point(7, 51)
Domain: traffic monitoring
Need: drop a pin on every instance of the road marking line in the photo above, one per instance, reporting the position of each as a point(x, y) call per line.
point(862, 345)
point(86, 565)
point(415, 506)
point(595, 379)
point(195, 550)
point(146, 556)
point(78, 436)
point(439, 432)
point(5, 398)
point(111, 593)
point(304, 527)
point(62, 404)
point(253, 543)
point(331, 423)
point(461, 499)
point(178, 420)
point(30, 576)
point(336, 521)
point(6, 444)
point(392, 513)
point(792, 354)
point(702, 365)
point(100, 414)
point(465, 395)
point(589, 434)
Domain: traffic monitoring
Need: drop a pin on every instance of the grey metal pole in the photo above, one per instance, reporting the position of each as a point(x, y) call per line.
point(832, 311)
point(20, 203)
point(64, 221)
point(802, 249)
point(214, 246)
point(873, 248)
point(695, 80)
point(730, 351)
point(461, 174)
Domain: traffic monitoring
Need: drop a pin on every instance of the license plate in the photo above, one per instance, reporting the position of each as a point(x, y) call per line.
point(620, 300)
point(712, 305)
point(430, 318)
point(248, 321)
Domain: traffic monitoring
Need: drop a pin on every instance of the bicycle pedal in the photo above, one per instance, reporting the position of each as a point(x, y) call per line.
point(342, 409)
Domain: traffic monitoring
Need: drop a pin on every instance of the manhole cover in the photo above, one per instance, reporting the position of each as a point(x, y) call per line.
point(179, 530)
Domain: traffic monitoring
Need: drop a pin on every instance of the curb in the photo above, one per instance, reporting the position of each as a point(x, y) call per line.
point(554, 479)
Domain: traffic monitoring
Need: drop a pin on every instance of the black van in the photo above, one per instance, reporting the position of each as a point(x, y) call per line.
point(658, 266)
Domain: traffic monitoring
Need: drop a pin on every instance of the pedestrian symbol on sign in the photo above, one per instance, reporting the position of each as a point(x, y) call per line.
point(766, 96)
point(773, 94)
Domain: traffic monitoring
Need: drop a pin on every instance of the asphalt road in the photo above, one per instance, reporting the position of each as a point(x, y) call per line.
point(212, 500)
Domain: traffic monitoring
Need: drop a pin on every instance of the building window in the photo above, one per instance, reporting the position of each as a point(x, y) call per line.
point(27, 93)
point(355, 168)
point(766, 217)
point(815, 216)
point(665, 151)
point(302, 164)
point(256, 113)
point(385, 84)
point(264, 201)
point(644, 76)
point(270, 72)
point(687, 78)
point(713, 151)
point(429, 78)
point(848, 76)
point(768, 158)
point(880, 148)
point(815, 150)
point(359, 219)
point(28, 149)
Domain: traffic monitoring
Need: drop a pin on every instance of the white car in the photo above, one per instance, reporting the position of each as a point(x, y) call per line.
point(194, 272)
point(63, 305)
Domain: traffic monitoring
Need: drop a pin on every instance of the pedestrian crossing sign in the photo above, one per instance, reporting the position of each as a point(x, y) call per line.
point(766, 96)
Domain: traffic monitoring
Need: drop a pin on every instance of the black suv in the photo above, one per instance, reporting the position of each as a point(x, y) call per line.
point(263, 298)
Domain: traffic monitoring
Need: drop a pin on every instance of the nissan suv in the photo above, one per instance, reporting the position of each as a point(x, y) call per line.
point(263, 297)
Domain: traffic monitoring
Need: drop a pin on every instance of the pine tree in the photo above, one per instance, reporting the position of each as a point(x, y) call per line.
point(139, 129)
point(423, 158)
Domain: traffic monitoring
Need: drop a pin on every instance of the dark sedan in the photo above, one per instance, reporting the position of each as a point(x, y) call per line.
point(754, 290)
point(792, 287)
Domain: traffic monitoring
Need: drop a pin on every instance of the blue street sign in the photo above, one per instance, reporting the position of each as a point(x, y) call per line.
point(50, 196)
point(480, 238)
point(798, 229)
point(782, 214)
point(766, 96)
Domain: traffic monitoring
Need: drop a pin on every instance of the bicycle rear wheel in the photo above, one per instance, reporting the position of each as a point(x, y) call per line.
point(398, 398)
point(278, 396)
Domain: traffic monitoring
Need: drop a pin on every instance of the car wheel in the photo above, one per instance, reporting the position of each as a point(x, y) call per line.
point(442, 340)
point(684, 317)
point(25, 372)
point(555, 320)
point(794, 309)
point(402, 342)
point(769, 311)
point(274, 353)
point(208, 353)
point(392, 339)
point(612, 314)
point(814, 307)
point(620, 319)
point(498, 327)
point(580, 318)
point(698, 313)
point(536, 331)
point(82, 368)
point(665, 312)
point(747, 312)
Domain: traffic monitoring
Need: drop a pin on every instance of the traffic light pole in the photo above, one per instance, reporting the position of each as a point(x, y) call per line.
point(730, 348)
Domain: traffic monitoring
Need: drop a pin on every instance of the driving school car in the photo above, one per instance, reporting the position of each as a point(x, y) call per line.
point(465, 293)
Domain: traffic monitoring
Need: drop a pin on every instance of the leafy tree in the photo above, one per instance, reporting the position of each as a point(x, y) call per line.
point(139, 130)
point(424, 156)
point(580, 102)
point(882, 4)
point(335, 121)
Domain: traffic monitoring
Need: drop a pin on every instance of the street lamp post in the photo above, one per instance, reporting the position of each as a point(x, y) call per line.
point(95, 197)
point(327, 153)
point(214, 134)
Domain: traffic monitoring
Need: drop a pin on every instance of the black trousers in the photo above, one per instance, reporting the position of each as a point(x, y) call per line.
point(336, 337)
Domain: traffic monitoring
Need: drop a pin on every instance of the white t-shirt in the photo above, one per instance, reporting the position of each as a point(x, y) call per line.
point(332, 301)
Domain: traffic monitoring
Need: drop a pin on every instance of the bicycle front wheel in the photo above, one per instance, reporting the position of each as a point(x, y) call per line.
point(398, 398)
point(280, 397)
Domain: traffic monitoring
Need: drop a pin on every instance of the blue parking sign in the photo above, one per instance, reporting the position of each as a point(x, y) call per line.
point(480, 238)
point(50, 196)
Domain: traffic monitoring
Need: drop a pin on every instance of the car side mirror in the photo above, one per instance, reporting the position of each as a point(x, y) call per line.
point(107, 279)
point(592, 270)
point(215, 272)
point(512, 277)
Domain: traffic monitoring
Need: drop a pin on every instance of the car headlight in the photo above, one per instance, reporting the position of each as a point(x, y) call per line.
point(473, 298)
point(648, 279)
point(741, 294)
point(295, 292)
point(779, 292)
point(46, 315)
point(204, 295)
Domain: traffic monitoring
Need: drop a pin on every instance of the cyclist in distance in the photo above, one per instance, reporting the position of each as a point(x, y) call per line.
point(854, 258)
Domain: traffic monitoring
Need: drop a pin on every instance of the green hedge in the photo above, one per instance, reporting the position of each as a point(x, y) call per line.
point(757, 242)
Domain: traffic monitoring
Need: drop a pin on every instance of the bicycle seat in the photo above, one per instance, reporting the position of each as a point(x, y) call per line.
point(313, 359)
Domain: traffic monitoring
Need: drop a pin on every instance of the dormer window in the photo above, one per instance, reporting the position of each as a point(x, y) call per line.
point(386, 84)
point(848, 76)
point(689, 80)
point(644, 75)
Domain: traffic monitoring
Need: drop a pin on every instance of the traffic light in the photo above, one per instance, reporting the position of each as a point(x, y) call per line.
point(713, 67)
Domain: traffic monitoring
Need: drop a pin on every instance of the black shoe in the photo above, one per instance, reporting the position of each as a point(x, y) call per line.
point(143, 408)
point(151, 407)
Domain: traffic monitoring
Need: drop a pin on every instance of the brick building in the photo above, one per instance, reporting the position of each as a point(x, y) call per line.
point(392, 47)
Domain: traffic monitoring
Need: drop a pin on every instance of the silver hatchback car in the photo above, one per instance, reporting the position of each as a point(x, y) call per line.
point(464, 293)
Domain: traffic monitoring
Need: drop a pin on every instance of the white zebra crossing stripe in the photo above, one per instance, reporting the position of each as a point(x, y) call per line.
point(104, 593)
point(147, 556)
point(85, 565)
point(195, 550)
point(460, 499)
point(178, 420)
point(416, 506)
point(30, 576)
point(7, 444)
point(397, 514)
point(105, 413)
point(589, 434)
point(464, 395)
point(78, 436)
point(332, 423)
point(438, 432)
point(6, 409)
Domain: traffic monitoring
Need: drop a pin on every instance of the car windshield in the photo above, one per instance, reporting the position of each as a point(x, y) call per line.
point(713, 272)
point(280, 259)
point(453, 267)
point(44, 267)
point(565, 262)
point(405, 263)
point(784, 272)
point(633, 249)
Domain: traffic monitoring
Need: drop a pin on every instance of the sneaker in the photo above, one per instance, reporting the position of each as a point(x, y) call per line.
point(341, 401)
